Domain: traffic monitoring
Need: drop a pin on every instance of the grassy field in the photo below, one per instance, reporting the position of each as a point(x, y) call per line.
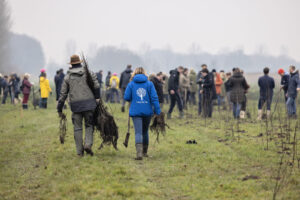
point(229, 161)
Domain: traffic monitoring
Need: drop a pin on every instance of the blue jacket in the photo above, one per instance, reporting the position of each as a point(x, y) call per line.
point(143, 97)
point(266, 85)
point(293, 84)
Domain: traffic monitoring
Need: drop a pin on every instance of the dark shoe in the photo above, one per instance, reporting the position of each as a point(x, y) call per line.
point(123, 109)
point(88, 150)
point(145, 150)
point(139, 151)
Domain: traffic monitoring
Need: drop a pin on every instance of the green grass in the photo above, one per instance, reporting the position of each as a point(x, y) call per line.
point(34, 165)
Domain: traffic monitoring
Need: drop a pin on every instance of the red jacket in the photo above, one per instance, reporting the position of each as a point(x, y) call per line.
point(218, 83)
point(26, 86)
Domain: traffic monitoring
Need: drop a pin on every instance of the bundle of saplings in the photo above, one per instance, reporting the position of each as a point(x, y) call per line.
point(103, 121)
point(62, 128)
point(159, 125)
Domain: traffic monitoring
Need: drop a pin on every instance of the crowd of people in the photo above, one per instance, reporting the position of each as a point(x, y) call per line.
point(147, 94)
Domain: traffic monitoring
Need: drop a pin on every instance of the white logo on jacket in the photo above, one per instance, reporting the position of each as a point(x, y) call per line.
point(141, 92)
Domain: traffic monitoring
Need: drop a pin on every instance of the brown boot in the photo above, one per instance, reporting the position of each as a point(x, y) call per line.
point(139, 151)
point(145, 150)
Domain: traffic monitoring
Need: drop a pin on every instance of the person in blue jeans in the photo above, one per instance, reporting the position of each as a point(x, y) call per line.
point(141, 94)
point(293, 88)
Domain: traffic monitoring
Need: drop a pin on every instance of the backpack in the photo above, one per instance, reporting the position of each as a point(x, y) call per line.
point(114, 83)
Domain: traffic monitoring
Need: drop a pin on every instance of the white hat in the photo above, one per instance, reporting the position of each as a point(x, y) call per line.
point(26, 75)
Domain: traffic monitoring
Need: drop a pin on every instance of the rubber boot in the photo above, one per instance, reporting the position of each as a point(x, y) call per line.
point(139, 151)
point(242, 115)
point(145, 150)
point(169, 116)
point(259, 116)
point(181, 115)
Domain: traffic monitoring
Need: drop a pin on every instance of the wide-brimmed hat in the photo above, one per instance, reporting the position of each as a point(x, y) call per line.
point(75, 59)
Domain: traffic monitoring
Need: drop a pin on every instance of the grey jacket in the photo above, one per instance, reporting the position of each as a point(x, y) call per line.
point(81, 97)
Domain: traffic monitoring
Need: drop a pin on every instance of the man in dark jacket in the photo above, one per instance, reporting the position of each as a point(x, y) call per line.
point(107, 86)
point(124, 80)
point(266, 86)
point(59, 79)
point(157, 82)
point(174, 91)
point(1, 80)
point(207, 85)
point(285, 77)
point(99, 78)
point(83, 102)
point(293, 88)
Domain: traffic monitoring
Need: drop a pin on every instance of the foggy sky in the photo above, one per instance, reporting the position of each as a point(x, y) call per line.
point(270, 26)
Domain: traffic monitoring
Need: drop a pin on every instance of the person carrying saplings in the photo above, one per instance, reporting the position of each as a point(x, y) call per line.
point(143, 98)
point(83, 102)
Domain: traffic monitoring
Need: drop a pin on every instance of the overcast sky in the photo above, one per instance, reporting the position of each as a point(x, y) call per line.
point(214, 25)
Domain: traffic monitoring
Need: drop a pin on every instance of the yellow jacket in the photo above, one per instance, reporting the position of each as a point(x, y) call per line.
point(117, 80)
point(45, 87)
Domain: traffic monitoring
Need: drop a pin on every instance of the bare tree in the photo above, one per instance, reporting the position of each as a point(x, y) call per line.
point(4, 35)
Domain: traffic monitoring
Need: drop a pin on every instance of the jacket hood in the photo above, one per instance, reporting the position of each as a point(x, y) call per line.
point(128, 70)
point(295, 73)
point(79, 71)
point(173, 71)
point(140, 78)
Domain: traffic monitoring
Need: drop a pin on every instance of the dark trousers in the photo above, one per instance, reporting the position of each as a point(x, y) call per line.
point(175, 98)
point(5, 94)
point(207, 107)
point(262, 101)
point(77, 119)
point(199, 103)
point(114, 91)
point(43, 103)
point(123, 100)
point(107, 95)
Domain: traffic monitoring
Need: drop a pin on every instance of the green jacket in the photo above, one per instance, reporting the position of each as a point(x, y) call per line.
point(81, 97)
point(193, 81)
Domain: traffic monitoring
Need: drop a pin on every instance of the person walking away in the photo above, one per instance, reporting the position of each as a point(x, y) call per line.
point(184, 85)
point(26, 87)
point(143, 98)
point(173, 88)
point(59, 78)
point(193, 87)
point(83, 102)
point(45, 90)
point(107, 86)
point(228, 90)
point(124, 80)
point(158, 85)
point(218, 85)
point(99, 78)
point(165, 88)
point(5, 87)
point(284, 82)
point(207, 93)
point(266, 86)
point(114, 88)
point(293, 88)
point(16, 87)
point(238, 86)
